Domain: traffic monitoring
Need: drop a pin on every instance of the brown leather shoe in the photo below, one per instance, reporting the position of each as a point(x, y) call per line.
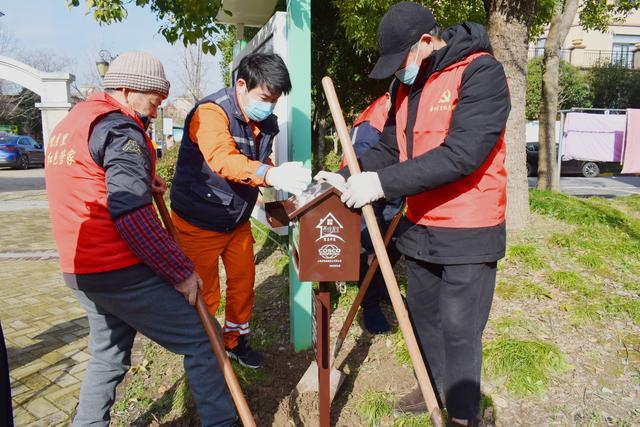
point(469, 423)
point(412, 402)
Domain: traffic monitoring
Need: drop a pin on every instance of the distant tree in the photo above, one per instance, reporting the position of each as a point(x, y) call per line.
point(8, 44)
point(20, 109)
point(17, 104)
point(186, 21)
point(226, 44)
point(193, 71)
point(573, 88)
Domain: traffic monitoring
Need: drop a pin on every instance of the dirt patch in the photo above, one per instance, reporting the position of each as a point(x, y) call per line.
point(599, 384)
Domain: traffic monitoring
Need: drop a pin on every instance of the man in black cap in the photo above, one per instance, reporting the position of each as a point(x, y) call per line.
point(444, 149)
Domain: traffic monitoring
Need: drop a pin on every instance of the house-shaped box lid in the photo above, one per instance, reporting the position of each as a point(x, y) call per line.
point(279, 213)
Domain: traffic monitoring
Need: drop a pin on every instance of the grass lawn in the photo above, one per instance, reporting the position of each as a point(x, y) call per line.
point(562, 346)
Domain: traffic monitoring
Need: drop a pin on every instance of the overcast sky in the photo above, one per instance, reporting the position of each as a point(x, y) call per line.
point(48, 25)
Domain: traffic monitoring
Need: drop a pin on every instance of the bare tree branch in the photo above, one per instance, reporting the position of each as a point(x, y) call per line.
point(193, 71)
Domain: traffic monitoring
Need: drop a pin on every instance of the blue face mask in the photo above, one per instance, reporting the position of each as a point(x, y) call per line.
point(258, 110)
point(408, 74)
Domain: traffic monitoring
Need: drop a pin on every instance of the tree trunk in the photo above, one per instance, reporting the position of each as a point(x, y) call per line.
point(558, 30)
point(322, 133)
point(508, 32)
point(320, 128)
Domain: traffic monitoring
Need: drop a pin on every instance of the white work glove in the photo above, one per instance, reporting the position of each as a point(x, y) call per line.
point(335, 179)
point(292, 177)
point(362, 188)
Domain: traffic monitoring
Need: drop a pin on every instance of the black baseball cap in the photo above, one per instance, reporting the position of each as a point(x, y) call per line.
point(400, 28)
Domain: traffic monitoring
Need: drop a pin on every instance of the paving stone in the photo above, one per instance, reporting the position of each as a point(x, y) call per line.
point(62, 365)
point(21, 417)
point(18, 387)
point(36, 381)
point(20, 341)
point(55, 419)
point(67, 403)
point(81, 356)
point(29, 332)
point(82, 332)
point(56, 311)
point(68, 338)
point(29, 369)
point(84, 322)
point(80, 367)
point(17, 324)
point(40, 407)
point(66, 380)
point(72, 348)
point(53, 357)
point(53, 375)
point(18, 360)
point(73, 389)
point(22, 398)
point(25, 397)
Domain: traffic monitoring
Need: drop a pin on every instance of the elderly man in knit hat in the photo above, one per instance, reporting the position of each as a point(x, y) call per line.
point(119, 262)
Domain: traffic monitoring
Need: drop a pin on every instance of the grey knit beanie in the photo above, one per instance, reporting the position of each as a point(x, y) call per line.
point(137, 71)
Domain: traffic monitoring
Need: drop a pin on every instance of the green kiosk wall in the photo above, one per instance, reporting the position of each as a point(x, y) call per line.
point(299, 64)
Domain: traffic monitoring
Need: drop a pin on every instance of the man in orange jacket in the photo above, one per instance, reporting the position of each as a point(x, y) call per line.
point(223, 160)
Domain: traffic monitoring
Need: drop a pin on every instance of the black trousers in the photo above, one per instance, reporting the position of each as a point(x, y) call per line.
point(449, 307)
point(6, 415)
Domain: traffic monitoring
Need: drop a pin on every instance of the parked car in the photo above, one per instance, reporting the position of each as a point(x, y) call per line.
point(20, 151)
point(587, 169)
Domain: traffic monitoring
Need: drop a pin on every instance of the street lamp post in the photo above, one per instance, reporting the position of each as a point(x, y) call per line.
point(102, 65)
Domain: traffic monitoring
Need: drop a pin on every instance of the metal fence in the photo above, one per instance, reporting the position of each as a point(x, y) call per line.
point(535, 52)
point(586, 58)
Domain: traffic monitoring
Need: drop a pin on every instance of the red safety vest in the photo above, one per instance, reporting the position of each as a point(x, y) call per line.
point(376, 114)
point(477, 200)
point(85, 235)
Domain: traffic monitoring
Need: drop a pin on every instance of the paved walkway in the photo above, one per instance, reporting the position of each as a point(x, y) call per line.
point(44, 326)
point(605, 186)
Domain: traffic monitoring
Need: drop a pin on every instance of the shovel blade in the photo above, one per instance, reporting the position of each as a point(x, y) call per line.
point(309, 381)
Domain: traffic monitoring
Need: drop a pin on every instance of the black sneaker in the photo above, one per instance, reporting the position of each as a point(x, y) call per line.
point(244, 354)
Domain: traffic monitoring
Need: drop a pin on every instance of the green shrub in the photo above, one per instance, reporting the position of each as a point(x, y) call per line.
point(166, 166)
point(614, 86)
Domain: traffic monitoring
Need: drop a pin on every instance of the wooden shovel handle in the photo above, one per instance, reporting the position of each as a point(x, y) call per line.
point(385, 265)
point(218, 348)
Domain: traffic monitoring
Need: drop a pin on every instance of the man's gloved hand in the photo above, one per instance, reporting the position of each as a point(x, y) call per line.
point(292, 177)
point(334, 179)
point(361, 189)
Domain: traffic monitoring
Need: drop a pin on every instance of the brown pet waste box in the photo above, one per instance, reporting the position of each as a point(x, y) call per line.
point(326, 234)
